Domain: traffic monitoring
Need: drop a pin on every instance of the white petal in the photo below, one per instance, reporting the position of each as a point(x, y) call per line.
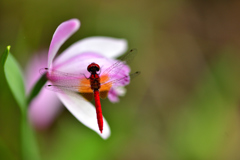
point(106, 46)
point(62, 33)
point(84, 111)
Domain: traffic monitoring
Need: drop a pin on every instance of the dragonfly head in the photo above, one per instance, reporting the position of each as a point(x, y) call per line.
point(93, 68)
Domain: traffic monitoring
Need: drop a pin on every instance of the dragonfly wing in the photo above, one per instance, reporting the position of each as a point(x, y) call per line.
point(104, 89)
point(87, 96)
point(116, 67)
point(57, 73)
point(104, 94)
point(66, 81)
point(120, 81)
point(106, 86)
point(108, 77)
point(59, 88)
point(86, 93)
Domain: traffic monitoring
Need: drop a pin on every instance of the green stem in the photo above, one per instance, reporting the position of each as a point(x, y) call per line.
point(29, 146)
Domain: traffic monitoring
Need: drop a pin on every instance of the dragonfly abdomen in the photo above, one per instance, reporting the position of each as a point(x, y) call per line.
point(98, 110)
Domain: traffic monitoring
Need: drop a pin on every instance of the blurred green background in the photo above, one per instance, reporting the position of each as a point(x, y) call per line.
point(184, 105)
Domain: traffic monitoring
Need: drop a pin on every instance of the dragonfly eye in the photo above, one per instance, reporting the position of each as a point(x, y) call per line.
point(89, 69)
point(97, 68)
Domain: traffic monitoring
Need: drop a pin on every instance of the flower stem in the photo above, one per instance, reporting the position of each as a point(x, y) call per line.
point(29, 146)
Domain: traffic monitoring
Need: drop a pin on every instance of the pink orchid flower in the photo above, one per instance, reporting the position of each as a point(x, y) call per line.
point(46, 106)
point(75, 60)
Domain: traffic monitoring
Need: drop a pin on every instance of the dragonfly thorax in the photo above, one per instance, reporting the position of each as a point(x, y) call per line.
point(94, 81)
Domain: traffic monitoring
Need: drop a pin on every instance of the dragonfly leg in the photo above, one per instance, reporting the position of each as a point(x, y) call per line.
point(84, 75)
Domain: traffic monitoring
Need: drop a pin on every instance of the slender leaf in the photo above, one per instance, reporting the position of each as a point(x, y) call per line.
point(14, 78)
point(15, 81)
point(4, 56)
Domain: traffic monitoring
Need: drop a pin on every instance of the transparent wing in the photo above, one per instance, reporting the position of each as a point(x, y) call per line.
point(106, 86)
point(116, 67)
point(59, 88)
point(88, 94)
point(118, 82)
point(66, 81)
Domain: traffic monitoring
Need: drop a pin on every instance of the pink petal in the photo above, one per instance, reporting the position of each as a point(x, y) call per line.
point(115, 92)
point(46, 106)
point(78, 64)
point(112, 96)
point(84, 111)
point(44, 109)
point(62, 33)
point(106, 46)
point(36, 62)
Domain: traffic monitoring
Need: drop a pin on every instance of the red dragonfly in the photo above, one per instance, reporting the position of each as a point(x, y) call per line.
point(96, 85)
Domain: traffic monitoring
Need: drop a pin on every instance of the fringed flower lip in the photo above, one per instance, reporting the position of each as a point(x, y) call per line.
point(75, 60)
